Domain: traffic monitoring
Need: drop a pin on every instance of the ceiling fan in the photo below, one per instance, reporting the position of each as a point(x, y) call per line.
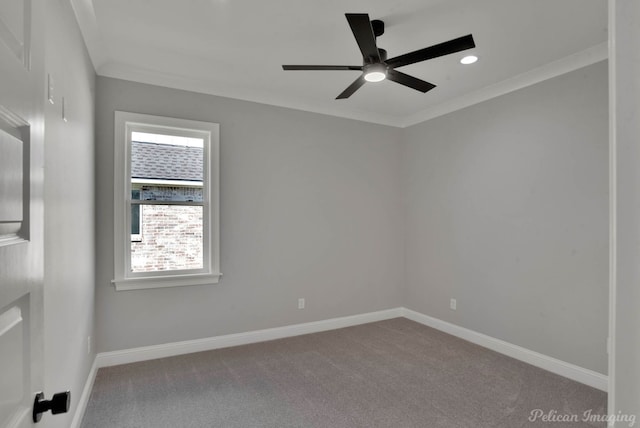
point(375, 65)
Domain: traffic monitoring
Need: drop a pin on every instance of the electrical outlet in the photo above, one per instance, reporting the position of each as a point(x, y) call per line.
point(453, 304)
point(301, 303)
point(88, 345)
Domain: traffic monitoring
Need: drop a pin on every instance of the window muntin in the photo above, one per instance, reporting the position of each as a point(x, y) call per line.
point(167, 225)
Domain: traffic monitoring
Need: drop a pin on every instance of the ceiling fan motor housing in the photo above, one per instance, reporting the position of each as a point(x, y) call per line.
point(375, 67)
point(378, 27)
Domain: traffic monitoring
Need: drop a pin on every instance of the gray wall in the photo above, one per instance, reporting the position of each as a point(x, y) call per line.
point(310, 207)
point(69, 209)
point(502, 205)
point(625, 102)
point(507, 211)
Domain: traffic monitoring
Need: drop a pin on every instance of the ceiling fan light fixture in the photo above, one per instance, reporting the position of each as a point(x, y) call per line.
point(375, 76)
point(375, 72)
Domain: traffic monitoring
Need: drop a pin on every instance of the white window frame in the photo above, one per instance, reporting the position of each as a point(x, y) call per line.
point(124, 278)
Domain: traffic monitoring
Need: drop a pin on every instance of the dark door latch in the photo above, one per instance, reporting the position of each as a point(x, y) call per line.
point(59, 403)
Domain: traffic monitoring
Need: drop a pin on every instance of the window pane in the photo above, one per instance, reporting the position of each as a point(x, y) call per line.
point(135, 213)
point(180, 162)
point(172, 239)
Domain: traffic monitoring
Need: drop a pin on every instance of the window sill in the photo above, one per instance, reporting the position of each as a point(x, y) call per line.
point(165, 281)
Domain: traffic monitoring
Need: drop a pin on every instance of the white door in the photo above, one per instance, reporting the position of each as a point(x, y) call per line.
point(22, 93)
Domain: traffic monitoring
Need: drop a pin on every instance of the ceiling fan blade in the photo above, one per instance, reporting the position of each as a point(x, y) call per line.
point(322, 67)
point(363, 32)
point(352, 88)
point(441, 49)
point(410, 81)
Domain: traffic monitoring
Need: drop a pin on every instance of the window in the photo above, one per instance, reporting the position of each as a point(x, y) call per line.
point(166, 206)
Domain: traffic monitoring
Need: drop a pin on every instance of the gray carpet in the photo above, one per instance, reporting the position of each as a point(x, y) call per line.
point(394, 373)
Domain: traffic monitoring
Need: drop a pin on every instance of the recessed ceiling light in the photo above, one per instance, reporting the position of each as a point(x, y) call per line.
point(469, 59)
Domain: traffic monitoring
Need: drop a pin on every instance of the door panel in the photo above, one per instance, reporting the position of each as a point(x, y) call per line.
point(22, 97)
point(10, 178)
point(14, 178)
point(15, 394)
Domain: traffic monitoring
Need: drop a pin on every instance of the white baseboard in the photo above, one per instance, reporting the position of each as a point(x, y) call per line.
point(570, 371)
point(84, 397)
point(106, 359)
point(144, 353)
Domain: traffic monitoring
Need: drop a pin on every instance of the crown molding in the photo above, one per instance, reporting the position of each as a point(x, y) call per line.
point(562, 66)
point(86, 18)
point(565, 65)
point(98, 52)
point(153, 77)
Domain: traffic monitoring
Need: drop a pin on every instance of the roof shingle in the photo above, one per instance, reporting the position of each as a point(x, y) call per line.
point(166, 162)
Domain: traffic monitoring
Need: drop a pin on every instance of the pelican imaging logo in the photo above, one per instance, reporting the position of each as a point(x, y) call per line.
point(589, 415)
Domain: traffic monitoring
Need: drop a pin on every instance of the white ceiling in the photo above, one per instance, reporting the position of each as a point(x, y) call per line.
point(235, 48)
